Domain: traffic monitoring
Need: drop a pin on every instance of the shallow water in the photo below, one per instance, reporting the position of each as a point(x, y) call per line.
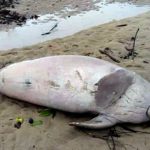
point(31, 32)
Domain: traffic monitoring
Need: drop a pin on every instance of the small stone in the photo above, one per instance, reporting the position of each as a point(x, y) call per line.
point(30, 120)
point(17, 125)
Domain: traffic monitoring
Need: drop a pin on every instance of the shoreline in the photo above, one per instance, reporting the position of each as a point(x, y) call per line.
point(63, 8)
point(88, 42)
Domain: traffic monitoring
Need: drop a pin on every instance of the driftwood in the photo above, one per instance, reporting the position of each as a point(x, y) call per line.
point(55, 26)
point(109, 53)
point(146, 62)
point(121, 25)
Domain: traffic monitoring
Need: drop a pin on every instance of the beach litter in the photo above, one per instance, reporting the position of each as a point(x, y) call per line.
point(35, 122)
point(47, 112)
point(19, 121)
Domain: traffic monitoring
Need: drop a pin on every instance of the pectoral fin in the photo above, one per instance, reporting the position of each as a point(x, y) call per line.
point(112, 87)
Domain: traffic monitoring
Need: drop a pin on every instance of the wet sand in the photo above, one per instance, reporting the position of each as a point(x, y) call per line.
point(53, 6)
point(61, 27)
point(39, 7)
point(56, 134)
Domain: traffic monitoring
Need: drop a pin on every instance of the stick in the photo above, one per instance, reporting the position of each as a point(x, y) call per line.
point(133, 50)
point(107, 54)
point(121, 25)
point(51, 29)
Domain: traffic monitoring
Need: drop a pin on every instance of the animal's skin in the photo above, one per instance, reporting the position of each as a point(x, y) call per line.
point(80, 84)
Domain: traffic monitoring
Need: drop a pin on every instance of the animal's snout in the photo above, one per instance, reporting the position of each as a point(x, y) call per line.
point(148, 112)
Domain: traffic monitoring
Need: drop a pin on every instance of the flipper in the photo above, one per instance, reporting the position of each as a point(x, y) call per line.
point(110, 90)
point(112, 87)
point(98, 122)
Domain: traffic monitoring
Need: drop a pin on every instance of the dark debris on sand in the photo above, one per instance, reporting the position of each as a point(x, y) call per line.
point(8, 3)
point(8, 16)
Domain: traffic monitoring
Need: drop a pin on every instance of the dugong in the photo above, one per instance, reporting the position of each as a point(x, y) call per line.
point(80, 84)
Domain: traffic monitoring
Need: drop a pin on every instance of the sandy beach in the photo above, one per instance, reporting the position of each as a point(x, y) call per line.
point(55, 133)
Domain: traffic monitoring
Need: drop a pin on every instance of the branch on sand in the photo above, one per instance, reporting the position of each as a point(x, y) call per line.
point(51, 29)
point(131, 50)
point(107, 51)
point(112, 135)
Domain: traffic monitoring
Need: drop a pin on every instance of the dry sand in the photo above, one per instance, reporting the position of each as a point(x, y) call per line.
point(56, 134)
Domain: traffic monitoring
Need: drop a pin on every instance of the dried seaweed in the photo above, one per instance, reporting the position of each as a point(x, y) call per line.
point(9, 17)
point(112, 135)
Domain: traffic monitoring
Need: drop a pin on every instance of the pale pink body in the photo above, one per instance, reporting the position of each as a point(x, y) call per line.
point(59, 82)
point(69, 83)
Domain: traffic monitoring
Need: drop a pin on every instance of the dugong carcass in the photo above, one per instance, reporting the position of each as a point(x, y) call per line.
point(80, 84)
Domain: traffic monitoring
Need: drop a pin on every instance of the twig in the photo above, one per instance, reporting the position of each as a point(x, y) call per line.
point(51, 29)
point(128, 129)
point(134, 131)
point(109, 137)
point(134, 39)
point(121, 25)
point(132, 50)
point(107, 54)
point(112, 133)
point(146, 62)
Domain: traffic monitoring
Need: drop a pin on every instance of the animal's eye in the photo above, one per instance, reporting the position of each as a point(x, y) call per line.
point(3, 80)
point(28, 82)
